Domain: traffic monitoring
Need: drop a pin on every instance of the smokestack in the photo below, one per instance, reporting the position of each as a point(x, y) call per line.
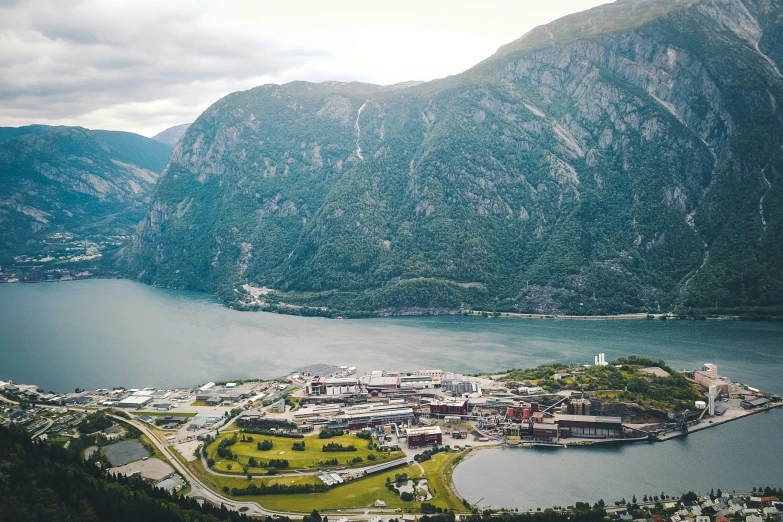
point(713, 394)
point(596, 360)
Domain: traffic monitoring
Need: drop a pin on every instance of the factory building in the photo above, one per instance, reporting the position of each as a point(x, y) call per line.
point(754, 403)
point(379, 383)
point(449, 407)
point(214, 396)
point(546, 432)
point(363, 416)
point(579, 407)
point(426, 436)
point(333, 386)
point(458, 384)
point(706, 380)
point(416, 381)
point(523, 410)
point(134, 401)
point(590, 426)
point(435, 375)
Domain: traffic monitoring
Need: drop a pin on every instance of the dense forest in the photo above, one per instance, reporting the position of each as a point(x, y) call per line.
point(47, 483)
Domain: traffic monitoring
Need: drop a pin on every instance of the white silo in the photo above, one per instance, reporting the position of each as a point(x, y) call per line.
point(713, 395)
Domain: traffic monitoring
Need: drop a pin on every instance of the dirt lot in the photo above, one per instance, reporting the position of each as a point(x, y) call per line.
point(153, 469)
point(187, 449)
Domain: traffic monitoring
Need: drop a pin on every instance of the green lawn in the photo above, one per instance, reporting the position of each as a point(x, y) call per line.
point(355, 494)
point(198, 403)
point(438, 470)
point(308, 458)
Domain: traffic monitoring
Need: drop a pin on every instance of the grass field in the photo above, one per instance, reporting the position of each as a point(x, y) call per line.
point(307, 459)
point(364, 492)
point(198, 403)
point(359, 493)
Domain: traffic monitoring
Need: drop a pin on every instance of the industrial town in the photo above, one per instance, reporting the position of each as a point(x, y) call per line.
point(328, 438)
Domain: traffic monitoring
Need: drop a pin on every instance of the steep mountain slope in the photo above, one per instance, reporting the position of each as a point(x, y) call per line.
point(172, 135)
point(71, 185)
point(622, 159)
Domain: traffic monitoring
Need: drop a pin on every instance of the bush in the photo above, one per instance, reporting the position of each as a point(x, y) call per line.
point(334, 446)
point(278, 463)
point(265, 445)
point(327, 433)
point(371, 456)
point(366, 435)
point(298, 446)
point(406, 496)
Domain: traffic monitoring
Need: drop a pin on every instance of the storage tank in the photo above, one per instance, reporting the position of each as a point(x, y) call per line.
point(700, 405)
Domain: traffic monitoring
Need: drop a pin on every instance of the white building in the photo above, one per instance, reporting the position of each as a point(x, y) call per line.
point(134, 401)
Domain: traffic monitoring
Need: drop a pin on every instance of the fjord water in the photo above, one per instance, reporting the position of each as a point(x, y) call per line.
point(104, 333)
point(101, 333)
point(736, 456)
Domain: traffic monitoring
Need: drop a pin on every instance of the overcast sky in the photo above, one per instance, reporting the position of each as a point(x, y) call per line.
point(145, 65)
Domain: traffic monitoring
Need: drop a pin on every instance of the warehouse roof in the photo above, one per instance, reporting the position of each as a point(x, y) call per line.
point(426, 430)
point(589, 418)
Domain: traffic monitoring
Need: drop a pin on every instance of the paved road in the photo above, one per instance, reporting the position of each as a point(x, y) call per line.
point(197, 489)
point(40, 432)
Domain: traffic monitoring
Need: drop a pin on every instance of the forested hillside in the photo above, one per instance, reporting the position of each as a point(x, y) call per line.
point(623, 159)
point(45, 482)
point(65, 187)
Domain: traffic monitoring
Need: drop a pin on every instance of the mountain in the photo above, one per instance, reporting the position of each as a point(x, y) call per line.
point(623, 159)
point(172, 135)
point(68, 192)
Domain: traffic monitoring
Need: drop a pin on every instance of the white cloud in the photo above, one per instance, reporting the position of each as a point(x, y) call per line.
point(142, 66)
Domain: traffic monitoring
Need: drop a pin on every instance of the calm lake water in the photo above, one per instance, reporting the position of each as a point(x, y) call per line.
point(101, 333)
point(104, 333)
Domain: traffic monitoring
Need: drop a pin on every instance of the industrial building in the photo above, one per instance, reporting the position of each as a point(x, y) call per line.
point(134, 401)
point(416, 381)
point(520, 411)
point(590, 426)
point(460, 407)
point(379, 383)
point(332, 386)
point(426, 436)
point(458, 384)
point(545, 432)
point(358, 417)
point(215, 396)
point(434, 375)
point(750, 404)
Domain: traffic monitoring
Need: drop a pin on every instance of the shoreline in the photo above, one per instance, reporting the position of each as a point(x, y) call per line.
point(328, 313)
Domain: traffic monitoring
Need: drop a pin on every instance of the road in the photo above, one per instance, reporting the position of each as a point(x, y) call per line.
point(197, 489)
point(40, 432)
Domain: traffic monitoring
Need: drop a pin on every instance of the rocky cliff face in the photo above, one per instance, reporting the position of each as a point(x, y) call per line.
point(74, 183)
point(622, 159)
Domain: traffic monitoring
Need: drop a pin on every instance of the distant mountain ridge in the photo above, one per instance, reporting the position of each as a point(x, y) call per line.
point(85, 185)
point(622, 159)
point(172, 135)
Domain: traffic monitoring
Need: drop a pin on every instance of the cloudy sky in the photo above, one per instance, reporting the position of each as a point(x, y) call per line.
point(145, 65)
